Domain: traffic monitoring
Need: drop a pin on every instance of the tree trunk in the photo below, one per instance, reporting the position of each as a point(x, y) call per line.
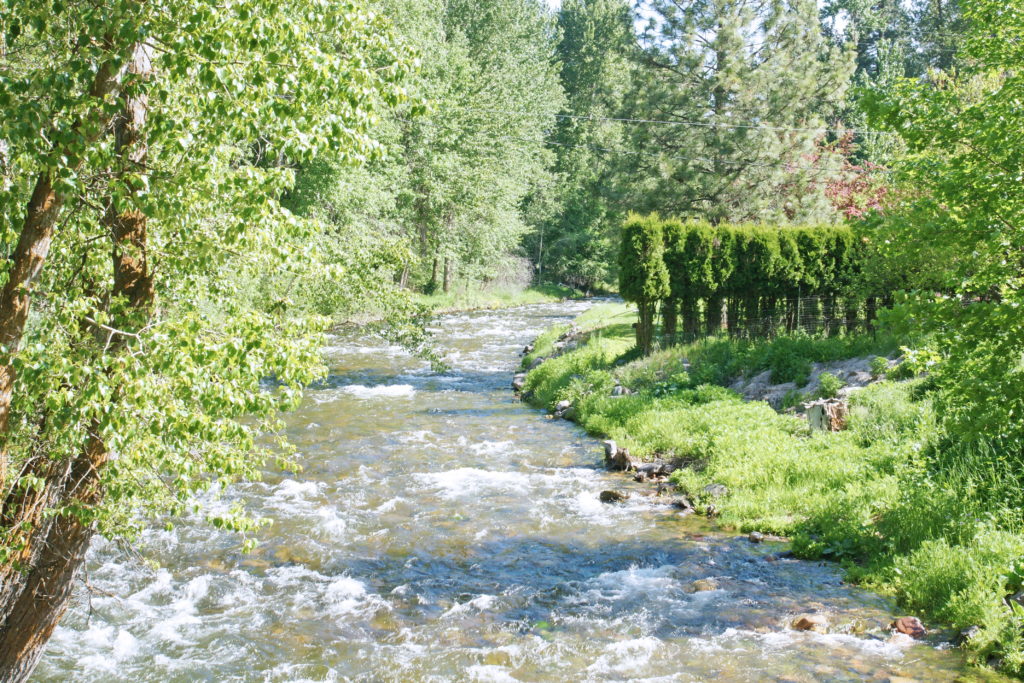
point(851, 314)
point(645, 327)
point(38, 584)
point(691, 322)
point(713, 314)
point(434, 271)
point(448, 274)
point(38, 597)
point(670, 320)
point(30, 254)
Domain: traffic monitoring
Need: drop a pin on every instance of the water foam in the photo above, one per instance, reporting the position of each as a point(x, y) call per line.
point(381, 391)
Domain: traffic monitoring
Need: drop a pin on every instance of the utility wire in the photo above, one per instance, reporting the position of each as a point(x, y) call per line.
point(693, 124)
point(707, 160)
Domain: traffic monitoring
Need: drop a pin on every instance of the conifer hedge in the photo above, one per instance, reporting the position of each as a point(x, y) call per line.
point(747, 279)
point(643, 277)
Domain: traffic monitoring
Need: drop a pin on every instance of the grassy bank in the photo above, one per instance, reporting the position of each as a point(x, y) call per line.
point(476, 299)
point(882, 497)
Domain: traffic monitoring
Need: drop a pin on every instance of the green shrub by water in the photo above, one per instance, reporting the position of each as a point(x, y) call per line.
point(888, 498)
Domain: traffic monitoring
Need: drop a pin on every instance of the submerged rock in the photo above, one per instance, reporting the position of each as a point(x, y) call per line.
point(755, 537)
point(911, 626)
point(613, 496)
point(816, 623)
point(702, 586)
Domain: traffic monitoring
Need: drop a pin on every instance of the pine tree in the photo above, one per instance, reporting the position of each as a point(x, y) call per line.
point(751, 85)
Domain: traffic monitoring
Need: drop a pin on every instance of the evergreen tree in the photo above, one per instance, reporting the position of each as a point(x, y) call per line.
point(752, 85)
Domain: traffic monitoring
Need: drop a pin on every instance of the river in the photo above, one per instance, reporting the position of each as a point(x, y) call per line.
point(443, 531)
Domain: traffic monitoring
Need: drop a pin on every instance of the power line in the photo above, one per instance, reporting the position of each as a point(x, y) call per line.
point(706, 160)
point(693, 124)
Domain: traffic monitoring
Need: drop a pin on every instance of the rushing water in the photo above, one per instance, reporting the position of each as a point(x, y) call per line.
point(441, 530)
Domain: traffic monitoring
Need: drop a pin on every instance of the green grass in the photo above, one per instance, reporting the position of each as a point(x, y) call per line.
point(463, 300)
point(885, 497)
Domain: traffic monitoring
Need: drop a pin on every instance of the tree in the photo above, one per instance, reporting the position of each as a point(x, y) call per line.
point(749, 88)
point(643, 278)
point(576, 244)
point(467, 165)
point(147, 146)
point(955, 237)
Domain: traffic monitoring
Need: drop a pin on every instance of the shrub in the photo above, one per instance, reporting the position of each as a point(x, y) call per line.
point(879, 366)
point(829, 385)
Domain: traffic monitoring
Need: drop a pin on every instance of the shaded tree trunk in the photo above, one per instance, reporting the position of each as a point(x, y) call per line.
point(871, 313)
point(670, 320)
point(645, 327)
point(851, 314)
point(713, 314)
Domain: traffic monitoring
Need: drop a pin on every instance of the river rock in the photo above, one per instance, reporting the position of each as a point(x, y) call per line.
point(613, 496)
point(519, 381)
point(620, 459)
point(527, 349)
point(537, 362)
point(702, 586)
point(755, 537)
point(810, 622)
point(967, 635)
point(562, 408)
point(911, 626)
point(620, 390)
point(610, 449)
point(681, 503)
point(716, 490)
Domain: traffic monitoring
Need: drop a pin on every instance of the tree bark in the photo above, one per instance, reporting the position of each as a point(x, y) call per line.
point(713, 314)
point(30, 254)
point(37, 586)
point(36, 599)
point(448, 274)
point(645, 327)
point(670, 318)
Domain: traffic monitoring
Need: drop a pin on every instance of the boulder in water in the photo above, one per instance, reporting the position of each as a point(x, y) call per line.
point(810, 622)
point(682, 503)
point(755, 537)
point(702, 586)
point(619, 458)
point(911, 626)
point(519, 381)
point(613, 496)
